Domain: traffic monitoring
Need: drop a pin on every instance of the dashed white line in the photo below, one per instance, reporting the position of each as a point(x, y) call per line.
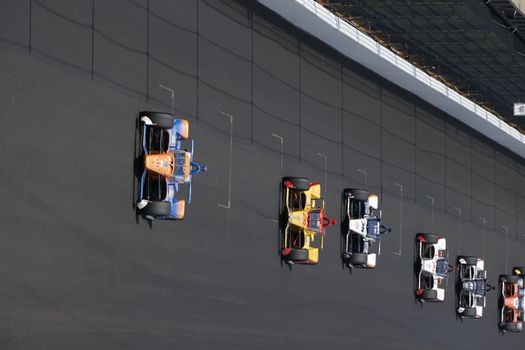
point(484, 236)
point(281, 139)
point(400, 217)
point(228, 206)
point(432, 212)
point(460, 240)
point(325, 157)
point(506, 228)
point(365, 174)
point(172, 97)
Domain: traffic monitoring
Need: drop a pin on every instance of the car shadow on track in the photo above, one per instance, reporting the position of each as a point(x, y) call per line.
point(343, 230)
point(499, 306)
point(138, 168)
point(136, 164)
point(415, 274)
point(457, 291)
point(282, 220)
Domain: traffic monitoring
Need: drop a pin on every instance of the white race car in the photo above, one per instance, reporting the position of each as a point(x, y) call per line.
point(364, 229)
point(434, 268)
point(471, 287)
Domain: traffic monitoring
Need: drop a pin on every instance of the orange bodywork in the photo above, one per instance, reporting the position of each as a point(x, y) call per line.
point(511, 302)
point(166, 165)
point(179, 208)
point(511, 295)
point(163, 163)
point(183, 128)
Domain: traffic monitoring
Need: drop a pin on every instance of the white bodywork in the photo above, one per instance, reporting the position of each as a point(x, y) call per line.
point(441, 244)
point(146, 120)
point(435, 286)
point(480, 265)
point(470, 277)
point(479, 310)
point(430, 266)
point(371, 260)
point(360, 226)
point(142, 204)
point(440, 294)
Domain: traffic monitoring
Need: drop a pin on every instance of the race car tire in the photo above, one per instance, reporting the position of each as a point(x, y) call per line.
point(469, 312)
point(471, 260)
point(297, 255)
point(518, 270)
point(159, 119)
point(156, 208)
point(358, 259)
point(428, 295)
point(358, 194)
point(298, 183)
point(509, 326)
point(509, 279)
point(430, 238)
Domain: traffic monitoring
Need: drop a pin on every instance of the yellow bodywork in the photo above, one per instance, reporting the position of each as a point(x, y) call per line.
point(314, 191)
point(299, 219)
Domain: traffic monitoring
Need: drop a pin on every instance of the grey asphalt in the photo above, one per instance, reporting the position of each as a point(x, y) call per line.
point(78, 270)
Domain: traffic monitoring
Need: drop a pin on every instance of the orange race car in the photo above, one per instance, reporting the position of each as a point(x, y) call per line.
point(512, 301)
point(167, 152)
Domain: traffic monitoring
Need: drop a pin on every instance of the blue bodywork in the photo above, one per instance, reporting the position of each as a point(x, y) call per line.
point(375, 230)
point(363, 240)
point(442, 268)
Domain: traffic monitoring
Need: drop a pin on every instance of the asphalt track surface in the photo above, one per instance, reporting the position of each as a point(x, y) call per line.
point(78, 270)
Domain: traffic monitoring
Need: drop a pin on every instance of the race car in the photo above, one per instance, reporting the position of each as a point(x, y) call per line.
point(433, 267)
point(512, 301)
point(471, 287)
point(303, 219)
point(168, 163)
point(364, 229)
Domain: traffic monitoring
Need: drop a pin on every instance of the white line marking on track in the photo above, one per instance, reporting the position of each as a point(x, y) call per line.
point(325, 157)
point(460, 240)
point(484, 236)
point(172, 97)
point(228, 206)
point(506, 228)
point(365, 174)
point(281, 139)
point(432, 211)
point(400, 218)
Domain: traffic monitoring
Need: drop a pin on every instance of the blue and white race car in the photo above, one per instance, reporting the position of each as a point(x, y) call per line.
point(364, 229)
point(168, 163)
point(471, 287)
